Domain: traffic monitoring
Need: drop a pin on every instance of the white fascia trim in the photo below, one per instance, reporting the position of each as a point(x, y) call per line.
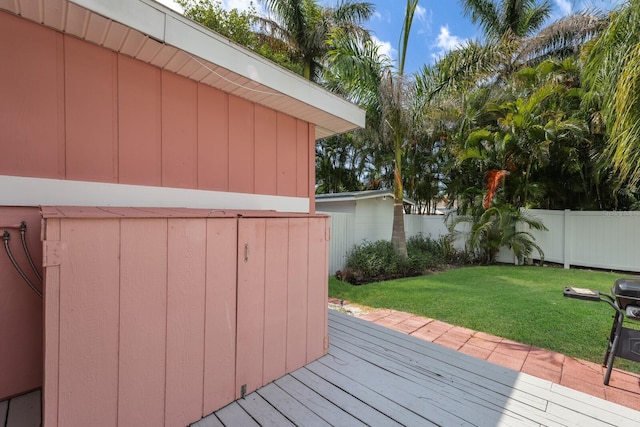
point(26, 191)
point(335, 199)
point(352, 197)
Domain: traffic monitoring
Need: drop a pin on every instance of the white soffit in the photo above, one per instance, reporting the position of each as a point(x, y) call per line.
point(155, 34)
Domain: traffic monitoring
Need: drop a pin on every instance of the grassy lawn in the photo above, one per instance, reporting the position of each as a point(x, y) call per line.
point(524, 304)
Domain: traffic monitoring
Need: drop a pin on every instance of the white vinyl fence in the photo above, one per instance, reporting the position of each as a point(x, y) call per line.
point(343, 228)
point(607, 240)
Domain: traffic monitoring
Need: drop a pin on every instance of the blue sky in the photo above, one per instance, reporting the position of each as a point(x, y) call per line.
point(438, 26)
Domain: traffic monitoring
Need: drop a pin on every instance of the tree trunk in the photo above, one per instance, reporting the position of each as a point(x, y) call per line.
point(397, 235)
point(397, 232)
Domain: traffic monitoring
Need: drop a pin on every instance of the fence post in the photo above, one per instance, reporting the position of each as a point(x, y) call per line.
point(567, 239)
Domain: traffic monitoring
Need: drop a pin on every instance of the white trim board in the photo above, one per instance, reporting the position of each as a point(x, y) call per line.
point(26, 191)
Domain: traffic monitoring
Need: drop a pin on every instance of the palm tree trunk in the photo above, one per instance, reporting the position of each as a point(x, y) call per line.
point(398, 238)
point(397, 235)
point(526, 182)
point(306, 69)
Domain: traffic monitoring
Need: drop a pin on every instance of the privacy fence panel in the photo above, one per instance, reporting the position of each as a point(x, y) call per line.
point(431, 226)
point(607, 240)
point(554, 241)
point(596, 239)
point(604, 240)
point(342, 227)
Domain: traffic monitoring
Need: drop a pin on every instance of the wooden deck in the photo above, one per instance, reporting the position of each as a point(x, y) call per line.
point(376, 376)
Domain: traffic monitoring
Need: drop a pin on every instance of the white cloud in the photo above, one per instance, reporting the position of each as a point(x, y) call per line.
point(384, 48)
point(565, 7)
point(446, 42)
point(238, 4)
point(421, 12)
point(241, 5)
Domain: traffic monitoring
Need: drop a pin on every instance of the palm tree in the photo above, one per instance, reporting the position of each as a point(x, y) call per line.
point(368, 78)
point(503, 124)
point(521, 125)
point(497, 227)
point(507, 18)
point(563, 38)
point(340, 164)
point(612, 73)
point(305, 27)
point(514, 38)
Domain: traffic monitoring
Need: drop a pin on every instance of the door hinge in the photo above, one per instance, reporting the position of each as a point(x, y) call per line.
point(326, 343)
point(52, 252)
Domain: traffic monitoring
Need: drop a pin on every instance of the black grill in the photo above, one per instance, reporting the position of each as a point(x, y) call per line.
point(625, 300)
point(627, 292)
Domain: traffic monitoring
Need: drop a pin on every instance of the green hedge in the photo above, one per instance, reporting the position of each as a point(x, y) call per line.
point(374, 261)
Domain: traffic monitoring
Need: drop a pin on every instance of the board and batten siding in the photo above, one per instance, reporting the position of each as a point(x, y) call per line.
point(83, 125)
point(161, 320)
point(73, 110)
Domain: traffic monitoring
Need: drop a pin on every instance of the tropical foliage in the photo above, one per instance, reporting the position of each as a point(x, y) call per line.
point(305, 27)
point(612, 75)
point(237, 25)
point(360, 73)
point(496, 227)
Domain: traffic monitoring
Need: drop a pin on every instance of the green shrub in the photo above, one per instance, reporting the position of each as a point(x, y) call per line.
point(434, 254)
point(375, 259)
point(451, 255)
point(424, 253)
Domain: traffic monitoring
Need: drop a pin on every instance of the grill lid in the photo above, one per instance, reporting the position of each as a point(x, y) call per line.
point(626, 291)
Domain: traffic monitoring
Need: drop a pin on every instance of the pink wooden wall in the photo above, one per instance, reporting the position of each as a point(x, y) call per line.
point(160, 318)
point(20, 307)
point(73, 110)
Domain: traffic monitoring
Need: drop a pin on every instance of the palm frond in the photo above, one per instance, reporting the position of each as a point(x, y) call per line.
point(493, 178)
point(563, 38)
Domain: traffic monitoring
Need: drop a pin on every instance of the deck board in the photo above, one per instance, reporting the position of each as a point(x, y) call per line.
point(376, 376)
point(450, 386)
point(429, 398)
point(4, 407)
point(210, 421)
point(368, 395)
point(494, 381)
point(262, 410)
point(234, 415)
point(317, 403)
point(363, 412)
point(295, 410)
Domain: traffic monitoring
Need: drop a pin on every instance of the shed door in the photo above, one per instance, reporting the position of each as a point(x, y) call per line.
point(282, 297)
point(140, 324)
